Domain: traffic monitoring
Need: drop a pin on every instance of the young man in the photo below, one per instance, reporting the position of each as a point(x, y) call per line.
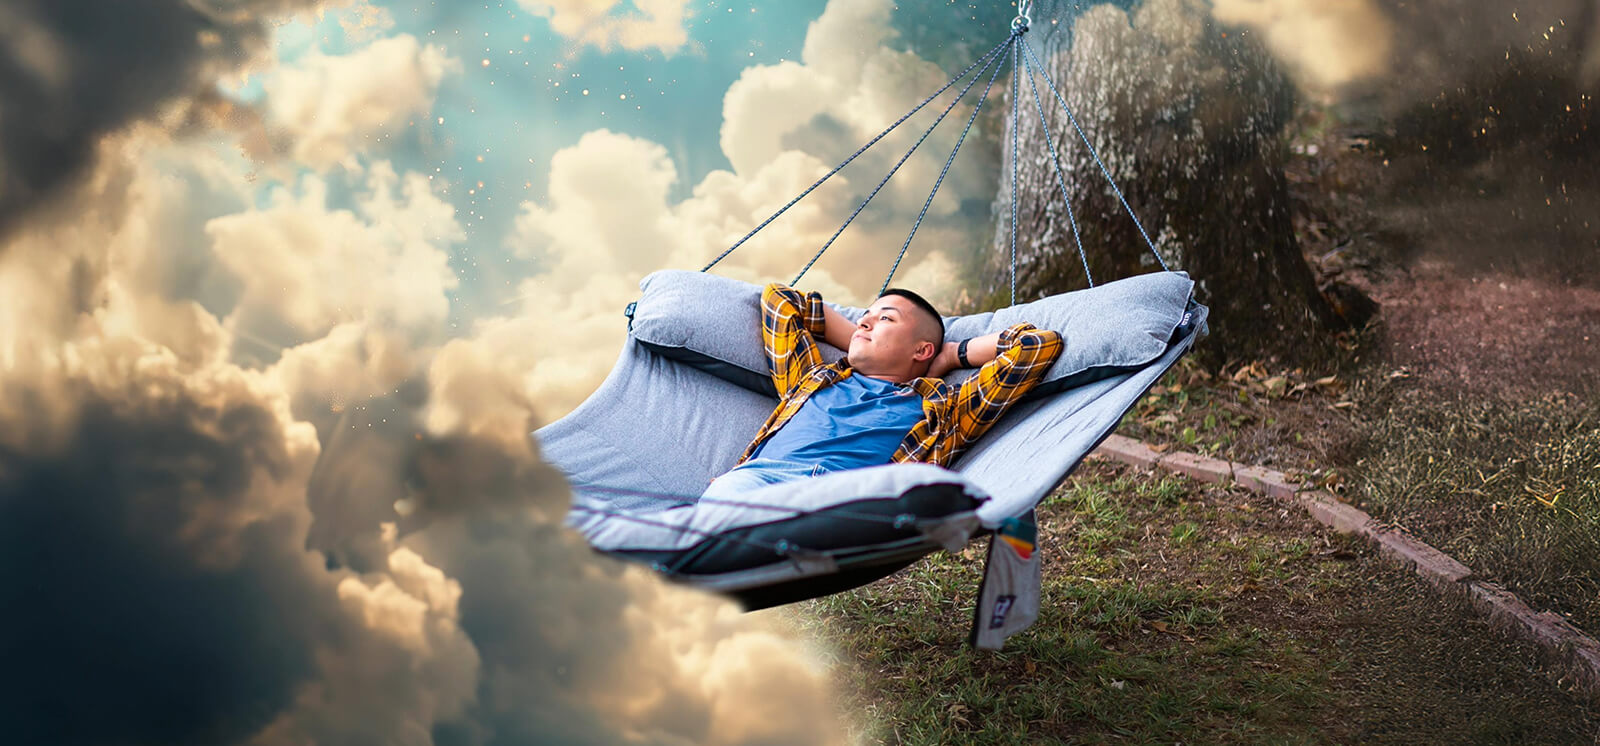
point(884, 402)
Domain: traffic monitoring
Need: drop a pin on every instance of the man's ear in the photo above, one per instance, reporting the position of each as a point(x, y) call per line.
point(925, 351)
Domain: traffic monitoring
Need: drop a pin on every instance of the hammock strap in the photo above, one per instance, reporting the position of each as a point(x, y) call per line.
point(1015, 90)
point(858, 152)
point(1028, 49)
point(1015, 35)
point(1055, 161)
point(991, 60)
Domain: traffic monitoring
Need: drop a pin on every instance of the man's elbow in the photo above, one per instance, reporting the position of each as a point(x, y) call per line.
point(1038, 344)
point(1028, 336)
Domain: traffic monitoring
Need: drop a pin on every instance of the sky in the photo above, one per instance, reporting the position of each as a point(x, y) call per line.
point(518, 82)
point(286, 284)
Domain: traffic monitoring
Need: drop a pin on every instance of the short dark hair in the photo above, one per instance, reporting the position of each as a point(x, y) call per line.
point(922, 303)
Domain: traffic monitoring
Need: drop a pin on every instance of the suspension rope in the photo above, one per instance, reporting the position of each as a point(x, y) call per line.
point(1015, 35)
point(992, 59)
point(853, 156)
point(1028, 49)
point(1055, 160)
point(1015, 91)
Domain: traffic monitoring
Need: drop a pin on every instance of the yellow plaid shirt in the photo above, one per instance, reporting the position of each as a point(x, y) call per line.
point(791, 323)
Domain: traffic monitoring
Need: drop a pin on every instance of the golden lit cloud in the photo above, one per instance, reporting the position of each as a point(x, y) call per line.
point(330, 106)
point(651, 24)
point(1326, 44)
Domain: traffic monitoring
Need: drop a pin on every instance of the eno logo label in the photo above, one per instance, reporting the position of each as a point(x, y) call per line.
point(1002, 607)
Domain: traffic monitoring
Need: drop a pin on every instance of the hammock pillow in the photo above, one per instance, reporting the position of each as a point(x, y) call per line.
point(712, 323)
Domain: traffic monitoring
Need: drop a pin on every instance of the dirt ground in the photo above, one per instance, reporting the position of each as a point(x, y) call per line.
point(1486, 265)
point(1491, 333)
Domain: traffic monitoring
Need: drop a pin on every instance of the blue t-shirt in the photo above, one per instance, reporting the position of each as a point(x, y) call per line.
point(859, 421)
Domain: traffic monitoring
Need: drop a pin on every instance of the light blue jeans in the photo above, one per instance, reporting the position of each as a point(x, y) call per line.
point(757, 473)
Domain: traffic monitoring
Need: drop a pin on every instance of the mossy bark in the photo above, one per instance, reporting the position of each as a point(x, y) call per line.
point(1187, 117)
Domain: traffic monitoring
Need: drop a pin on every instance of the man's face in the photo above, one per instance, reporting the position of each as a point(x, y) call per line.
point(890, 337)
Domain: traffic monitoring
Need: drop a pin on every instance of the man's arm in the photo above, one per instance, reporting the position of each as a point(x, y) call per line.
point(790, 322)
point(980, 350)
point(838, 329)
point(1017, 359)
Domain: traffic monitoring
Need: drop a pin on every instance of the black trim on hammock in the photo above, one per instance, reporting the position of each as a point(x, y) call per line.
point(818, 531)
point(737, 375)
point(855, 567)
point(821, 585)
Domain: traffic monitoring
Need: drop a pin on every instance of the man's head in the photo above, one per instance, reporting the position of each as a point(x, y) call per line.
point(897, 337)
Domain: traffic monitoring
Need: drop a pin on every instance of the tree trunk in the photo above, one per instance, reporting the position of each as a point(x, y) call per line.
point(1187, 117)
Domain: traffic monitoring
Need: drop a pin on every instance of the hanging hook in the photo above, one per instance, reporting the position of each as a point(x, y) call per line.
point(1021, 23)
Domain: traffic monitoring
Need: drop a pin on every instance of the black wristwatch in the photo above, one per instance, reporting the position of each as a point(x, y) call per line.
point(961, 354)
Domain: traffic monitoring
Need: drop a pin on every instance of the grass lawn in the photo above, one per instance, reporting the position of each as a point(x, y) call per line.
point(1175, 612)
point(1510, 485)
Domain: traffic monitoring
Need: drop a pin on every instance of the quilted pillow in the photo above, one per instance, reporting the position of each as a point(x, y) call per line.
point(713, 323)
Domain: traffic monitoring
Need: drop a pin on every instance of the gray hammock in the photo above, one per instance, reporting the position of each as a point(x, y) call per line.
point(691, 388)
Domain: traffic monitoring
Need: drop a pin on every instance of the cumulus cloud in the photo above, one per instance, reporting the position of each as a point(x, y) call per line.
point(784, 125)
point(653, 24)
point(275, 506)
point(234, 573)
point(305, 266)
point(328, 107)
point(72, 71)
point(165, 500)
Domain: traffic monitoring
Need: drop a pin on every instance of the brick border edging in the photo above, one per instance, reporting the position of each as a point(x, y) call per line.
point(1576, 654)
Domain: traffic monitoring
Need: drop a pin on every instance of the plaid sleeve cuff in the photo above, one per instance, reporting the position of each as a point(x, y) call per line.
point(1036, 345)
point(815, 321)
point(1020, 334)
